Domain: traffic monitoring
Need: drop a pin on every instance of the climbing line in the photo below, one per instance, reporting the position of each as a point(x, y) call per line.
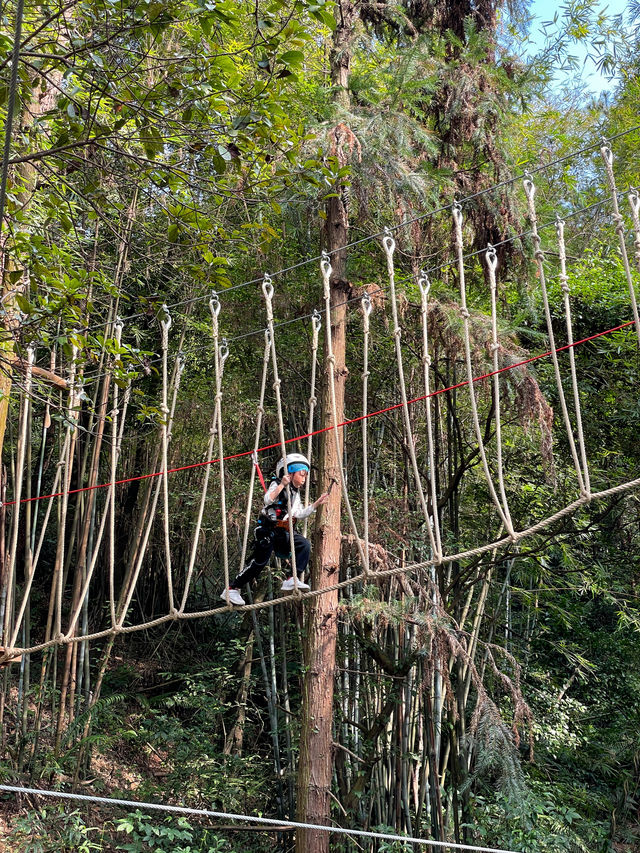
point(530, 190)
point(345, 423)
point(389, 245)
point(503, 510)
point(274, 822)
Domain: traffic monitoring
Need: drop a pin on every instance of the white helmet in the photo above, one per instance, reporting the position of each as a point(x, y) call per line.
point(299, 460)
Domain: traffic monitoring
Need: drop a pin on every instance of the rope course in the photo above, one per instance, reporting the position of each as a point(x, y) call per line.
point(64, 629)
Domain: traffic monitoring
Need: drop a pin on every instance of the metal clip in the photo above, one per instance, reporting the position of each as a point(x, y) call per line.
point(166, 322)
point(214, 304)
point(491, 257)
point(325, 264)
point(267, 287)
point(387, 241)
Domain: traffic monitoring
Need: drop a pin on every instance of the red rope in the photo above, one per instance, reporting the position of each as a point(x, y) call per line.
point(326, 429)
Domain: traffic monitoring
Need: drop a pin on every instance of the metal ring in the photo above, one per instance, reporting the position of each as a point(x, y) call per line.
point(267, 287)
point(367, 305)
point(166, 322)
point(214, 303)
point(606, 151)
point(325, 264)
point(424, 283)
point(387, 241)
point(491, 257)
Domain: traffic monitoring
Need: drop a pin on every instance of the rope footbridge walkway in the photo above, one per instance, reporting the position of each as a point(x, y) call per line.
point(67, 625)
point(64, 629)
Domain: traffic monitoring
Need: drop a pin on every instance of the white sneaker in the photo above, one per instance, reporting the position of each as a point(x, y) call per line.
point(290, 584)
point(232, 596)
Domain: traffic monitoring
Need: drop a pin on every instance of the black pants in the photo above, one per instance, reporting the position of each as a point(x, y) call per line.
point(268, 538)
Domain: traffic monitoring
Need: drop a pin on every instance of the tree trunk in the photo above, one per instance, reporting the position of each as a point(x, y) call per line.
point(316, 736)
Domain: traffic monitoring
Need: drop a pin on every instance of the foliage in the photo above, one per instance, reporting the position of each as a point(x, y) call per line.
point(54, 830)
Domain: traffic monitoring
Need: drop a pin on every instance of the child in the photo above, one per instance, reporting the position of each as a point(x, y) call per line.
point(272, 531)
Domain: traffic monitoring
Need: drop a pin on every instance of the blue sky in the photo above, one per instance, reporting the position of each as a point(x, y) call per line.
point(544, 10)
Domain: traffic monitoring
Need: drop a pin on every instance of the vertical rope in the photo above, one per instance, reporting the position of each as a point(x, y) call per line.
point(316, 325)
point(112, 487)
point(267, 289)
point(204, 490)
point(389, 245)
point(530, 190)
point(492, 263)
point(96, 547)
point(464, 311)
point(326, 270)
point(221, 353)
point(367, 308)
point(19, 477)
point(425, 285)
point(607, 156)
point(71, 436)
point(256, 444)
point(179, 368)
point(634, 202)
point(564, 284)
point(165, 325)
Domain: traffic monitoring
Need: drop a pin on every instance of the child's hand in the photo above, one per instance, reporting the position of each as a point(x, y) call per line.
point(286, 479)
point(322, 499)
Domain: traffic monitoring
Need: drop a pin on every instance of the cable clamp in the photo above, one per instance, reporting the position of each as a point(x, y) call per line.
point(367, 306)
point(119, 324)
point(223, 352)
point(181, 361)
point(634, 200)
point(267, 287)
point(456, 211)
point(214, 304)
point(316, 319)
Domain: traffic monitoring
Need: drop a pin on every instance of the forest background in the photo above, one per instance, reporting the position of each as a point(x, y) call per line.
point(161, 150)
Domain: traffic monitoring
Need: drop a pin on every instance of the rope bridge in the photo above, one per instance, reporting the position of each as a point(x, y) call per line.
point(63, 628)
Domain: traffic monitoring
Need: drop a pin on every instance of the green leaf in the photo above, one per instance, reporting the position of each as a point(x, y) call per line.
point(292, 57)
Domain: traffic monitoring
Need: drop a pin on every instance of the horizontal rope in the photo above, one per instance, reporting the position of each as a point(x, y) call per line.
point(175, 616)
point(345, 423)
point(338, 830)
